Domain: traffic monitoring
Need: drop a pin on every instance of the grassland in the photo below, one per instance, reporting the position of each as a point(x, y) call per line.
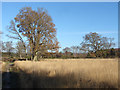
point(2, 66)
point(69, 73)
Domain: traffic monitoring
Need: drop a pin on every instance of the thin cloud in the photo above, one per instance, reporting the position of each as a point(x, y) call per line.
point(78, 33)
point(107, 32)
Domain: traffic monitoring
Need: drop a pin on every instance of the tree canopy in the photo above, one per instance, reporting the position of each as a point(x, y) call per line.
point(95, 42)
point(38, 28)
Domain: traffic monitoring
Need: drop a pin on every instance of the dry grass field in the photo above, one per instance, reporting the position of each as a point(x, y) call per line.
point(69, 73)
point(2, 66)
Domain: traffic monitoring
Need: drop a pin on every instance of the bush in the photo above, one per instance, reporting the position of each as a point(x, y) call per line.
point(91, 55)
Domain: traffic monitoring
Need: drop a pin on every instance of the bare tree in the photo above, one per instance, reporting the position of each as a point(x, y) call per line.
point(20, 49)
point(75, 50)
point(38, 28)
point(84, 48)
point(16, 35)
point(107, 43)
point(67, 51)
point(3, 46)
point(9, 47)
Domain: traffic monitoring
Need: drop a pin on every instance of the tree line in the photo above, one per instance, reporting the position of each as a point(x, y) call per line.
point(36, 36)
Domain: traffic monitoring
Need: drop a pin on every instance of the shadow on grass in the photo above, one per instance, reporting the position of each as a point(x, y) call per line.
point(10, 80)
point(17, 78)
point(42, 80)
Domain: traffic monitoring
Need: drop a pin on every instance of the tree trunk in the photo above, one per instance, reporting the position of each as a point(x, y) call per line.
point(20, 56)
point(32, 57)
point(36, 57)
point(26, 54)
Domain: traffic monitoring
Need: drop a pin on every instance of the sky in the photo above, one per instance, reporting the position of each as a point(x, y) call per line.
point(72, 19)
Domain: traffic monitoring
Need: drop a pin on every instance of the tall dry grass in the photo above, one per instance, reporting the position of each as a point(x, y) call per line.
point(2, 66)
point(67, 73)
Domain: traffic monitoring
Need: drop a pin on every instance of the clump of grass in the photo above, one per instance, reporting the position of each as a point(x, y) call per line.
point(69, 73)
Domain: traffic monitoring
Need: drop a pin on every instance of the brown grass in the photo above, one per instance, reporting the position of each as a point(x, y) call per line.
point(2, 66)
point(76, 73)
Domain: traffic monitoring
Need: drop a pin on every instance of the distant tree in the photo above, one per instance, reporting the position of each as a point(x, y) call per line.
point(118, 52)
point(95, 42)
point(107, 43)
point(20, 49)
point(67, 51)
point(84, 47)
point(9, 47)
point(112, 52)
point(75, 50)
point(29, 54)
point(38, 28)
point(15, 34)
point(3, 46)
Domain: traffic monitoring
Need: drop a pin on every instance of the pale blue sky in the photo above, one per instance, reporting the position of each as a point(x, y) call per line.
point(72, 20)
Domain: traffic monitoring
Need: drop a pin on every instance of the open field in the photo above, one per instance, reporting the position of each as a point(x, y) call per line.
point(67, 73)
